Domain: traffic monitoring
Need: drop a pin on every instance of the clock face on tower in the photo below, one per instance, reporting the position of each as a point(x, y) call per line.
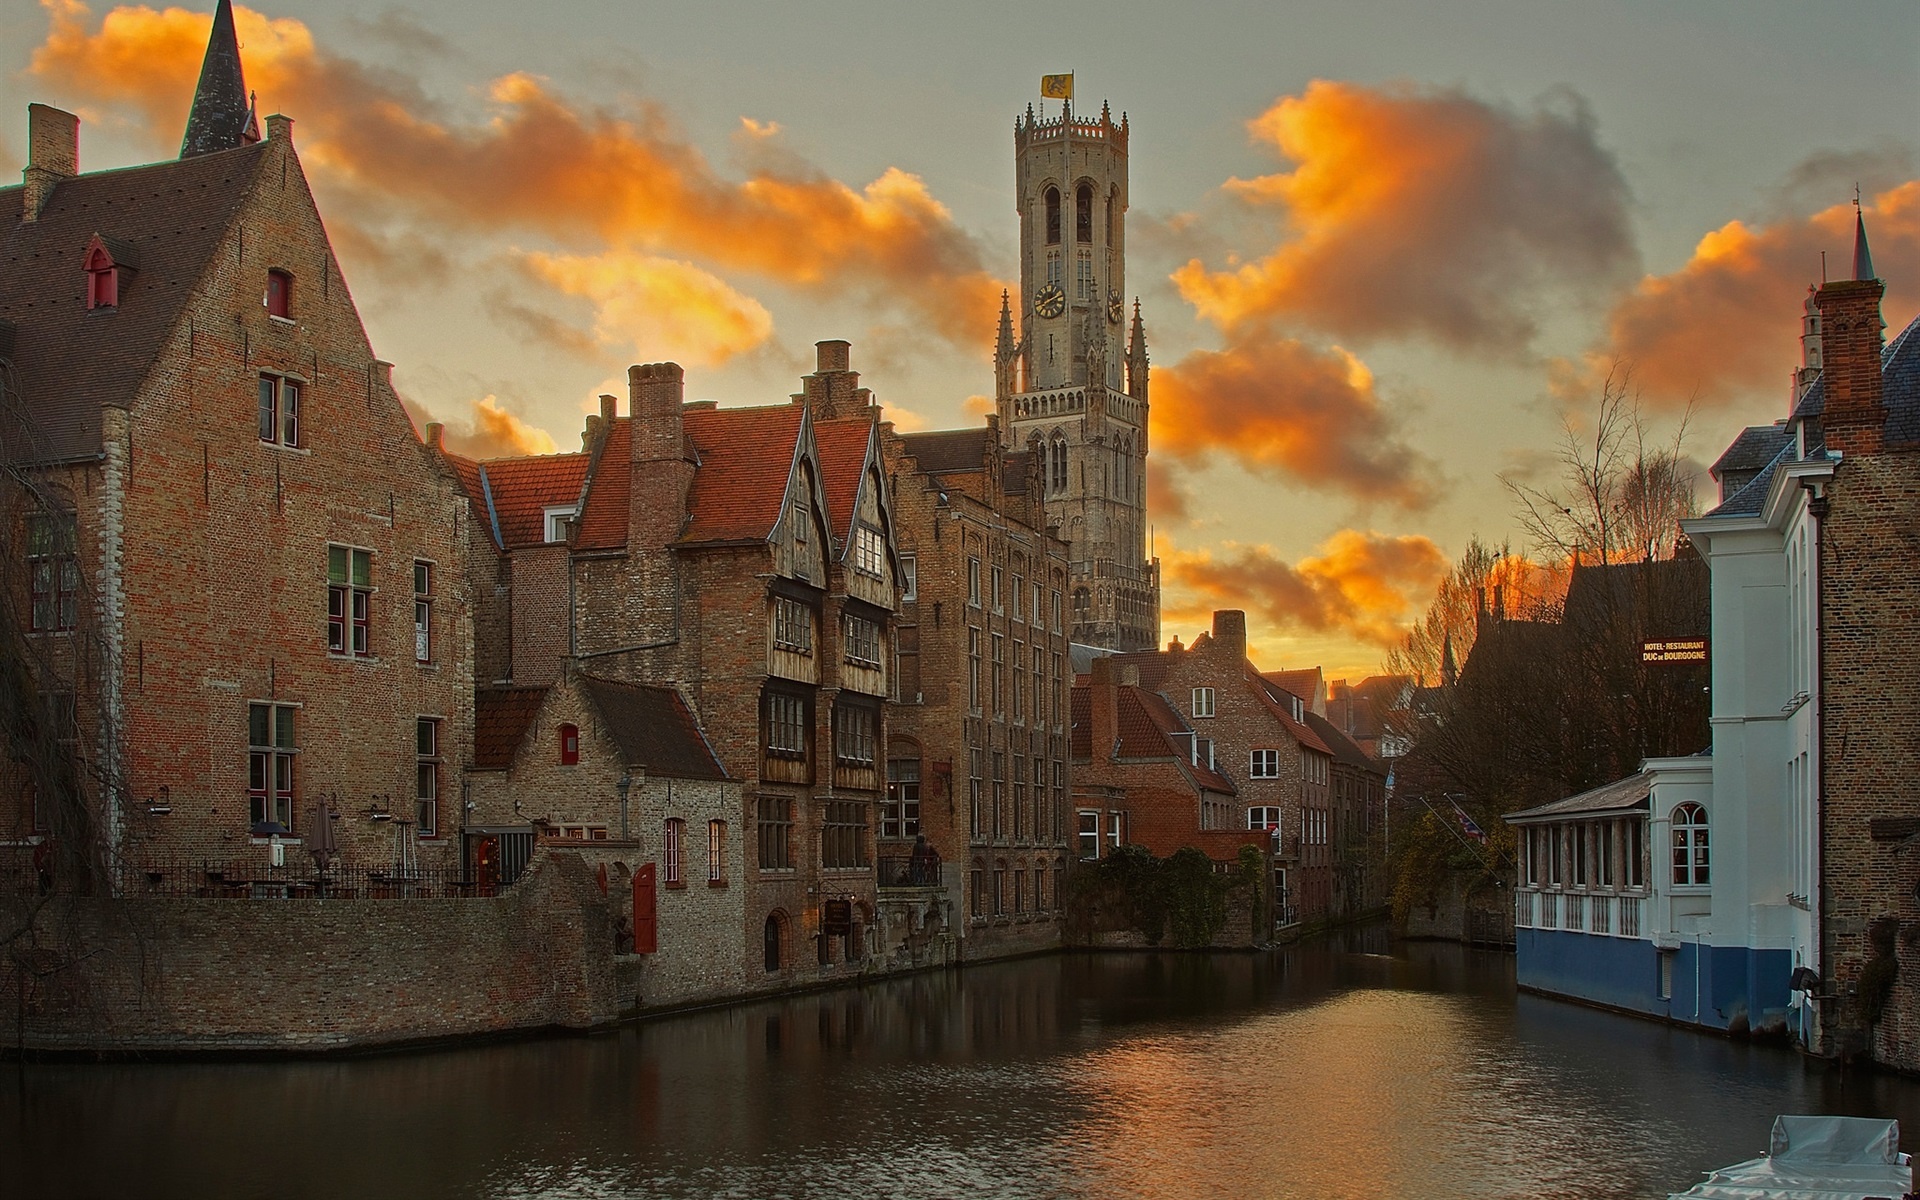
point(1115, 309)
point(1050, 301)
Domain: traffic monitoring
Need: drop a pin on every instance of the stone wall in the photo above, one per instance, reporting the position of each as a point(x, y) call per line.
point(254, 976)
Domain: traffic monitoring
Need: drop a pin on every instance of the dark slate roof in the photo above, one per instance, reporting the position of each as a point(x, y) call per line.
point(1343, 747)
point(222, 117)
point(1900, 367)
point(948, 450)
point(653, 728)
point(71, 363)
point(501, 716)
point(1756, 446)
point(1749, 499)
point(1618, 796)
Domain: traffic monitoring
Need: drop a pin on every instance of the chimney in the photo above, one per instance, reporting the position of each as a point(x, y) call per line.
point(1854, 415)
point(1103, 708)
point(609, 407)
point(436, 436)
point(279, 127)
point(1230, 632)
point(833, 390)
point(654, 395)
point(53, 154)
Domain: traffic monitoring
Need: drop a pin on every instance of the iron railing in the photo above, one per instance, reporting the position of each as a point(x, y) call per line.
point(251, 881)
point(910, 870)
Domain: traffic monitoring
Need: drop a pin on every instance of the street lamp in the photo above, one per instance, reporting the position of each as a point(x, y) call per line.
point(622, 785)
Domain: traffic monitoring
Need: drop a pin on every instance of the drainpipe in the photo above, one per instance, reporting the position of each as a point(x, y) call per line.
point(1817, 507)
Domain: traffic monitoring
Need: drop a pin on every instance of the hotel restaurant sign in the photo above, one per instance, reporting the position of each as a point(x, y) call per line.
point(1681, 650)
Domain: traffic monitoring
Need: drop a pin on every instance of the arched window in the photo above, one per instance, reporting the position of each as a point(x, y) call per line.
point(1053, 216)
point(569, 745)
point(1059, 478)
point(1690, 846)
point(1083, 213)
point(280, 294)
point(103, 277)
point(1110, 203)
point(776, 938)
point(1082, 604)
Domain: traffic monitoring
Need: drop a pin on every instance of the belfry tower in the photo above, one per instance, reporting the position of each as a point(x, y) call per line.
point(1072, 389)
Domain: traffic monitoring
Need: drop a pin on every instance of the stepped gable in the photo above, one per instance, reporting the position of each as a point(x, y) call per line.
point(739, 487)
point(653, 728)
point(520, 490)
point(501, 716)
point(69, 362)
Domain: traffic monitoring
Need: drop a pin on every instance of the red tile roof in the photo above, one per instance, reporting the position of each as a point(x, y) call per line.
point(603, 521)
point(746, 458)
point(843, 455)
point(1302, 683)
point(500, 719)
point(1146, 722)
point(468, 472)
point(521, 490)
point(1282, 708)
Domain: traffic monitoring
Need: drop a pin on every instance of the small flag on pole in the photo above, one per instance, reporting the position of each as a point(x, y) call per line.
point(1057, 87)
point(1468, 825)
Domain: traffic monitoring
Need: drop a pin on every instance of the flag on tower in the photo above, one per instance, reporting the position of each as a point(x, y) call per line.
point(1057, 87)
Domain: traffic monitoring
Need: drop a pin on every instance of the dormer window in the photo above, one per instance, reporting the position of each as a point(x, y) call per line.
point(279, 297)
point(560, 521)
point(104, 265)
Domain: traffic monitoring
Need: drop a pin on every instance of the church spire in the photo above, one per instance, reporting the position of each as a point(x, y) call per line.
point(1004, 351)
point(1449, 673)
point(1862, 257)
point(1137, 355)
point(222, 116)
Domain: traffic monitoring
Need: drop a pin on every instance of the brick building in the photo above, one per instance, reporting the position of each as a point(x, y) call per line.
point(746, 558)
point(245, 588)
point(1283, 759)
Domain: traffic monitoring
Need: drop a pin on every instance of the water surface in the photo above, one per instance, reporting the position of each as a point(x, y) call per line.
point(1340, 1070)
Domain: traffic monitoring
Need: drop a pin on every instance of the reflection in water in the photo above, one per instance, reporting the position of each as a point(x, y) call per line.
point(1338, 1070)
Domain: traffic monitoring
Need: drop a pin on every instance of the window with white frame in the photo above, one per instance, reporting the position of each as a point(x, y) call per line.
point(422, 611)
point(863, 640)
point(426, 794)
point(1089, 835)
point(869, 551)
point(792, 625)
point(973, 582)
point(1203, 702)
point(909, 577)
point(270, 753)
point(900, 817)
point(716, 852)
point(1264, 816)
point(559, 521)
point(673, 852)
point(1690, 861)
point(1019, 586)
point(349, 601)
point(279, 410)
point(1263, 764)
point(999, 578)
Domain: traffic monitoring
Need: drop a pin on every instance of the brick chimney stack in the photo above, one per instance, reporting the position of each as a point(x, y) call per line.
point(833, 390)
point(53, 154)
point(1854, 415)
point(1230, 633)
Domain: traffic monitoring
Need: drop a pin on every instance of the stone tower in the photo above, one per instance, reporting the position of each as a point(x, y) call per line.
point(1072, 387)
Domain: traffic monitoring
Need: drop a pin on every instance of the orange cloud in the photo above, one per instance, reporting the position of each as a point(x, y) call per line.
point(490, 431)
point(1167, 493)
point(1366, 585)
point(659, 306)
point(1726, 323)
point(1286, 409)
point(1421, 210)
point(581, 175)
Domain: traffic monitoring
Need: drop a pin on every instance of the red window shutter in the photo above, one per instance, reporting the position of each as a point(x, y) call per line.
point(569, 745)
point(646, 916)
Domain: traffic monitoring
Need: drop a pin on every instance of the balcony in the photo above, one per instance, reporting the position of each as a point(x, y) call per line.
point(918, 870)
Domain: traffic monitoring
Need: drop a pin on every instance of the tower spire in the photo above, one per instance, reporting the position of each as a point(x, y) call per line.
point(1862, 257)
point(222, 116)
point(1004, 350)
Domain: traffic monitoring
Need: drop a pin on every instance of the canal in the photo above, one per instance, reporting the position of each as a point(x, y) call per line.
point(1338, 1070)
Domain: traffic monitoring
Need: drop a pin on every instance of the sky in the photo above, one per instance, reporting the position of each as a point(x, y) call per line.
point(1386, 251)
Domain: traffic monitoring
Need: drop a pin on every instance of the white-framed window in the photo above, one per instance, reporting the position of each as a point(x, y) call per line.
point(279, 410)
point(900, 816)
point(863, 640)
point(349, 601)
point(1089, 835)
point(716, 852)
point(869, 551)
point(422, 610)
point(999, 577)
point(1690, 859)
point(973, 582)
point(426, 793)
point(673, 852)
point(559, 521)
point(1263, 816)
point(909, 577)
point(1263, 764)
point(1038, 612)
point(1203, 702)
point(1115, 829)
point(1019, 586)
point(792, 625)
point(270, 752)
